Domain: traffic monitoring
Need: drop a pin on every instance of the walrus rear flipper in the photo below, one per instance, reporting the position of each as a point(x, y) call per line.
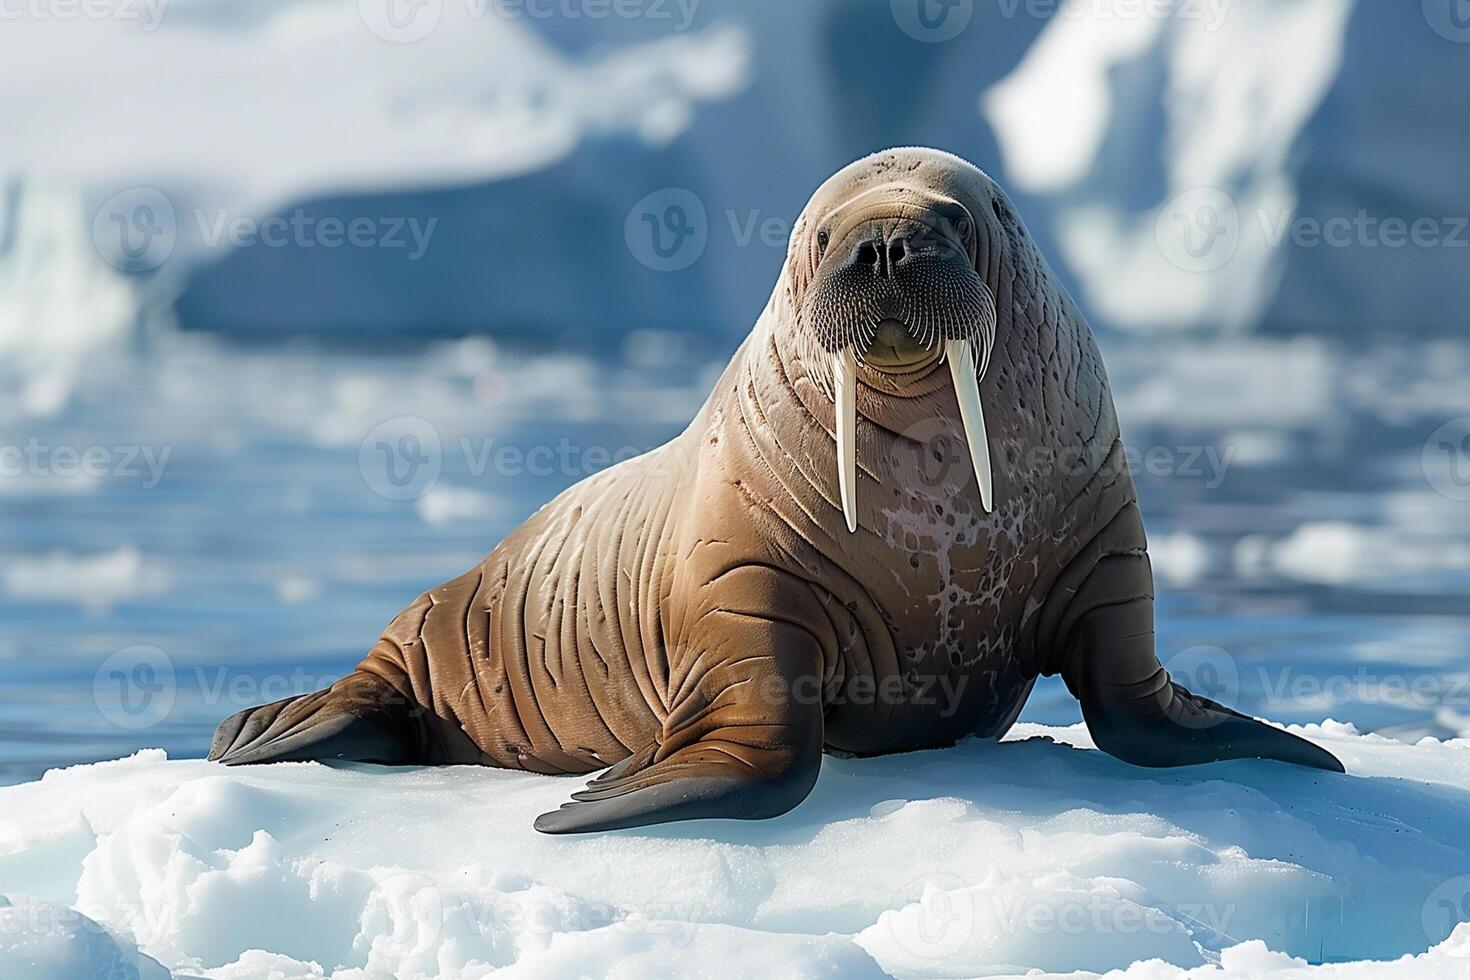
point(360, 718)
point(740, 740)
point(1132, 708)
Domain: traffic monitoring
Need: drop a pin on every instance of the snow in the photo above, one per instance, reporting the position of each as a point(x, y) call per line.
point(1036, 854)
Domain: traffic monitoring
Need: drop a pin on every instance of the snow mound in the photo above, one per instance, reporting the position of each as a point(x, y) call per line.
point(980, 860)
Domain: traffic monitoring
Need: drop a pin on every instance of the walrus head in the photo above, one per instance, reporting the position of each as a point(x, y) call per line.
point(884, 276)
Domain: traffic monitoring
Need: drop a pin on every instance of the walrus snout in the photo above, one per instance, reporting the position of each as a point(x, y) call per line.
point(896, 254)
point(896, 349)
point(887, 242)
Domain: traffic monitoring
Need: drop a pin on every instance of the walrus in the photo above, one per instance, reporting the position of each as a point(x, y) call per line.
point(905, 500)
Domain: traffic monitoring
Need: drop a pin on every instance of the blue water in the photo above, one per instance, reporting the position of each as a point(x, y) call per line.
point(269, 544)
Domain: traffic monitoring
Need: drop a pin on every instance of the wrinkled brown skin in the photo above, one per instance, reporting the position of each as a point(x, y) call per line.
point(701, 616)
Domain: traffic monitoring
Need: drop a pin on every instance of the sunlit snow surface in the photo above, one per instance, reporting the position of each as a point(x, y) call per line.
point(978, 860)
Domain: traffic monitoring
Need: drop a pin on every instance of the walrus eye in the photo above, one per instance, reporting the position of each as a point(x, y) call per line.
point(962, 226)
point(822, 239)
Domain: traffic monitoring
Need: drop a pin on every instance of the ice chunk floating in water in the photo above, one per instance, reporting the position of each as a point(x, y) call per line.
point(981, 860)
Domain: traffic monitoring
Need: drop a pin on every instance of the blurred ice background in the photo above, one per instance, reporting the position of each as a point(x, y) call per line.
point(305, 303)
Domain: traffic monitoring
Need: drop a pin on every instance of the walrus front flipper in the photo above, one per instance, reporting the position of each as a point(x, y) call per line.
point(743, 735)
point(1132, 708)
point(360, 718)
point(704, 781)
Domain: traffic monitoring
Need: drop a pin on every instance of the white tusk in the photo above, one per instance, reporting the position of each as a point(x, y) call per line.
point(844, 385)
point(967, 392)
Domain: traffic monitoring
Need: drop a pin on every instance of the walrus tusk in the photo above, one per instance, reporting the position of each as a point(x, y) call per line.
point(844, 385)
point(967, 391)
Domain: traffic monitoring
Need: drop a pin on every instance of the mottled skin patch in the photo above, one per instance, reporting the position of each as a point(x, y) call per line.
point(702, 617)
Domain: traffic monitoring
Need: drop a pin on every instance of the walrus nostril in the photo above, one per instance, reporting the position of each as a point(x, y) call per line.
point(881, 254)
